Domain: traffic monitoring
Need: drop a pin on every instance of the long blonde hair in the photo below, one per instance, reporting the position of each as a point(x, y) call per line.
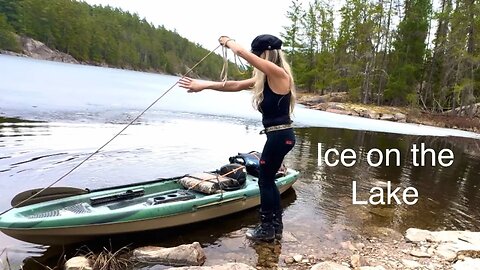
point(278, 57)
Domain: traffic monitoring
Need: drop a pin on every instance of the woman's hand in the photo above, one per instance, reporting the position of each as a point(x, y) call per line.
point(192, 85)
point(224, 40)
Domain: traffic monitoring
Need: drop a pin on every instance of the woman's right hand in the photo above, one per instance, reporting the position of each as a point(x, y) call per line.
point(192, 85)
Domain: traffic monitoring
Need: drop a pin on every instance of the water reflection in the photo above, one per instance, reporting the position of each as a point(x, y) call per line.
point(318, 213)
point(448, 196)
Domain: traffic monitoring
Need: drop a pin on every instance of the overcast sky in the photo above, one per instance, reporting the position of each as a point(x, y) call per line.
point(203, 21)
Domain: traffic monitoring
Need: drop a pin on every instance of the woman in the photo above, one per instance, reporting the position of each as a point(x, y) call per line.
point(274, 96)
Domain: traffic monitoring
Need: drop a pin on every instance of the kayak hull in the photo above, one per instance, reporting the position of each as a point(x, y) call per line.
point(128, 219)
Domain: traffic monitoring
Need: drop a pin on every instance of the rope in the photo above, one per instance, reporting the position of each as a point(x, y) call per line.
point(224, 73)
point(216, 177)
point(115, 136)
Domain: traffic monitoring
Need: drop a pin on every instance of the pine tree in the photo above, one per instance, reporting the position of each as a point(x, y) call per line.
point(409, 52)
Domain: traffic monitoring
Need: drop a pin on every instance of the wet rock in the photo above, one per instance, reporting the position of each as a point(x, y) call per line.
point(182, 255)
point(467, 264)
point(78, 263)
point(329, 266)
point(227, 266)
point(289, 237)
point(416, 235)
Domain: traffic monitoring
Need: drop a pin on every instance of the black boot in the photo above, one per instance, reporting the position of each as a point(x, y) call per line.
point(278, 224)
point(264, 231)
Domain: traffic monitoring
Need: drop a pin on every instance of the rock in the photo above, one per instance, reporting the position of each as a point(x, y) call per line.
point(227, 266)
point(337, 111)
point(289, 260)
point(329, 266)
point(471, 253)
point(38, 50)
point(289, 237)
point(182, 255)
point(446, 236)
point(372, 268)
point(297, 258)
point(467, 264)
point(78, 263)
point(360, 246)
point(411, 264)
point(446, 251)
point(400, 117)
point(388, 117)
point(356, 261)
point(416, 235)
point(420, 254)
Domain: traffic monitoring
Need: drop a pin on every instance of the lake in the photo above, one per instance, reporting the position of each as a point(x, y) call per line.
point(75, 109)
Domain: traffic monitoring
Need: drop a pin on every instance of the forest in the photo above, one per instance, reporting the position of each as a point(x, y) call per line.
point(419, 53)
point(104, 35)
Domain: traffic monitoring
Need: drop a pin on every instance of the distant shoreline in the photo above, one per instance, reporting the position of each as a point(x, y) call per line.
point(337, 103)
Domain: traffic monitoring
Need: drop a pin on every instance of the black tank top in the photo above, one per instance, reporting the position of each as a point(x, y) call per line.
point(275, 108)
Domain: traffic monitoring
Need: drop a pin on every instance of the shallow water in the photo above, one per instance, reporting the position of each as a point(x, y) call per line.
point(83, 107)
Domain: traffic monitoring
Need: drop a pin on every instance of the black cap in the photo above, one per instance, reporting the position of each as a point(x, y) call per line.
point(265, 42)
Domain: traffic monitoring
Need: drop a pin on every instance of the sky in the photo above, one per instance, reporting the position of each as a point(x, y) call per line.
point(204, 21)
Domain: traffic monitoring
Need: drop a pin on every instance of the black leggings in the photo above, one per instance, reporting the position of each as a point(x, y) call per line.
point(278, 144)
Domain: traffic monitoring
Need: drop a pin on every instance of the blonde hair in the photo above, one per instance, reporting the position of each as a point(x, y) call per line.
point(278, 57)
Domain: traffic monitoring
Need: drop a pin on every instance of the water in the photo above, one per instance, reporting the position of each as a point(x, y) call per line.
point(81, 107)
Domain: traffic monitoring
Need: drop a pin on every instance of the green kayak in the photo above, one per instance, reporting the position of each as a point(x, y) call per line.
point(157, 204)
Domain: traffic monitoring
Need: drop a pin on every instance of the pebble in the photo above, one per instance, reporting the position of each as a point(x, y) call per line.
point(297, 258)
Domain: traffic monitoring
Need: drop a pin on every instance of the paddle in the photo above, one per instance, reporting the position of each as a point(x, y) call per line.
point(53, 193)
point(48, 194)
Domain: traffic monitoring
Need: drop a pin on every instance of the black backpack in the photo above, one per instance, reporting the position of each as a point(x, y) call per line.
point(250, 160)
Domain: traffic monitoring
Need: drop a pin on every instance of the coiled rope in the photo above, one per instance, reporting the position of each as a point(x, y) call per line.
point(117, 134)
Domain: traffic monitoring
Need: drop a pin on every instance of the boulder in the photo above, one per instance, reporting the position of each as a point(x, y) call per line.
point(417, 235)
point(183, 255)
point(467, 264)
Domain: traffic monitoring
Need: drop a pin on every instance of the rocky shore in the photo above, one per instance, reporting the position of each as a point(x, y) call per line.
point(416, 249)
point(338, 103)
point(36, 49)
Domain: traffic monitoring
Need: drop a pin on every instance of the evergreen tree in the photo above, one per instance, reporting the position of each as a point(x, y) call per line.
point(7, 39)
point(409, 52)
